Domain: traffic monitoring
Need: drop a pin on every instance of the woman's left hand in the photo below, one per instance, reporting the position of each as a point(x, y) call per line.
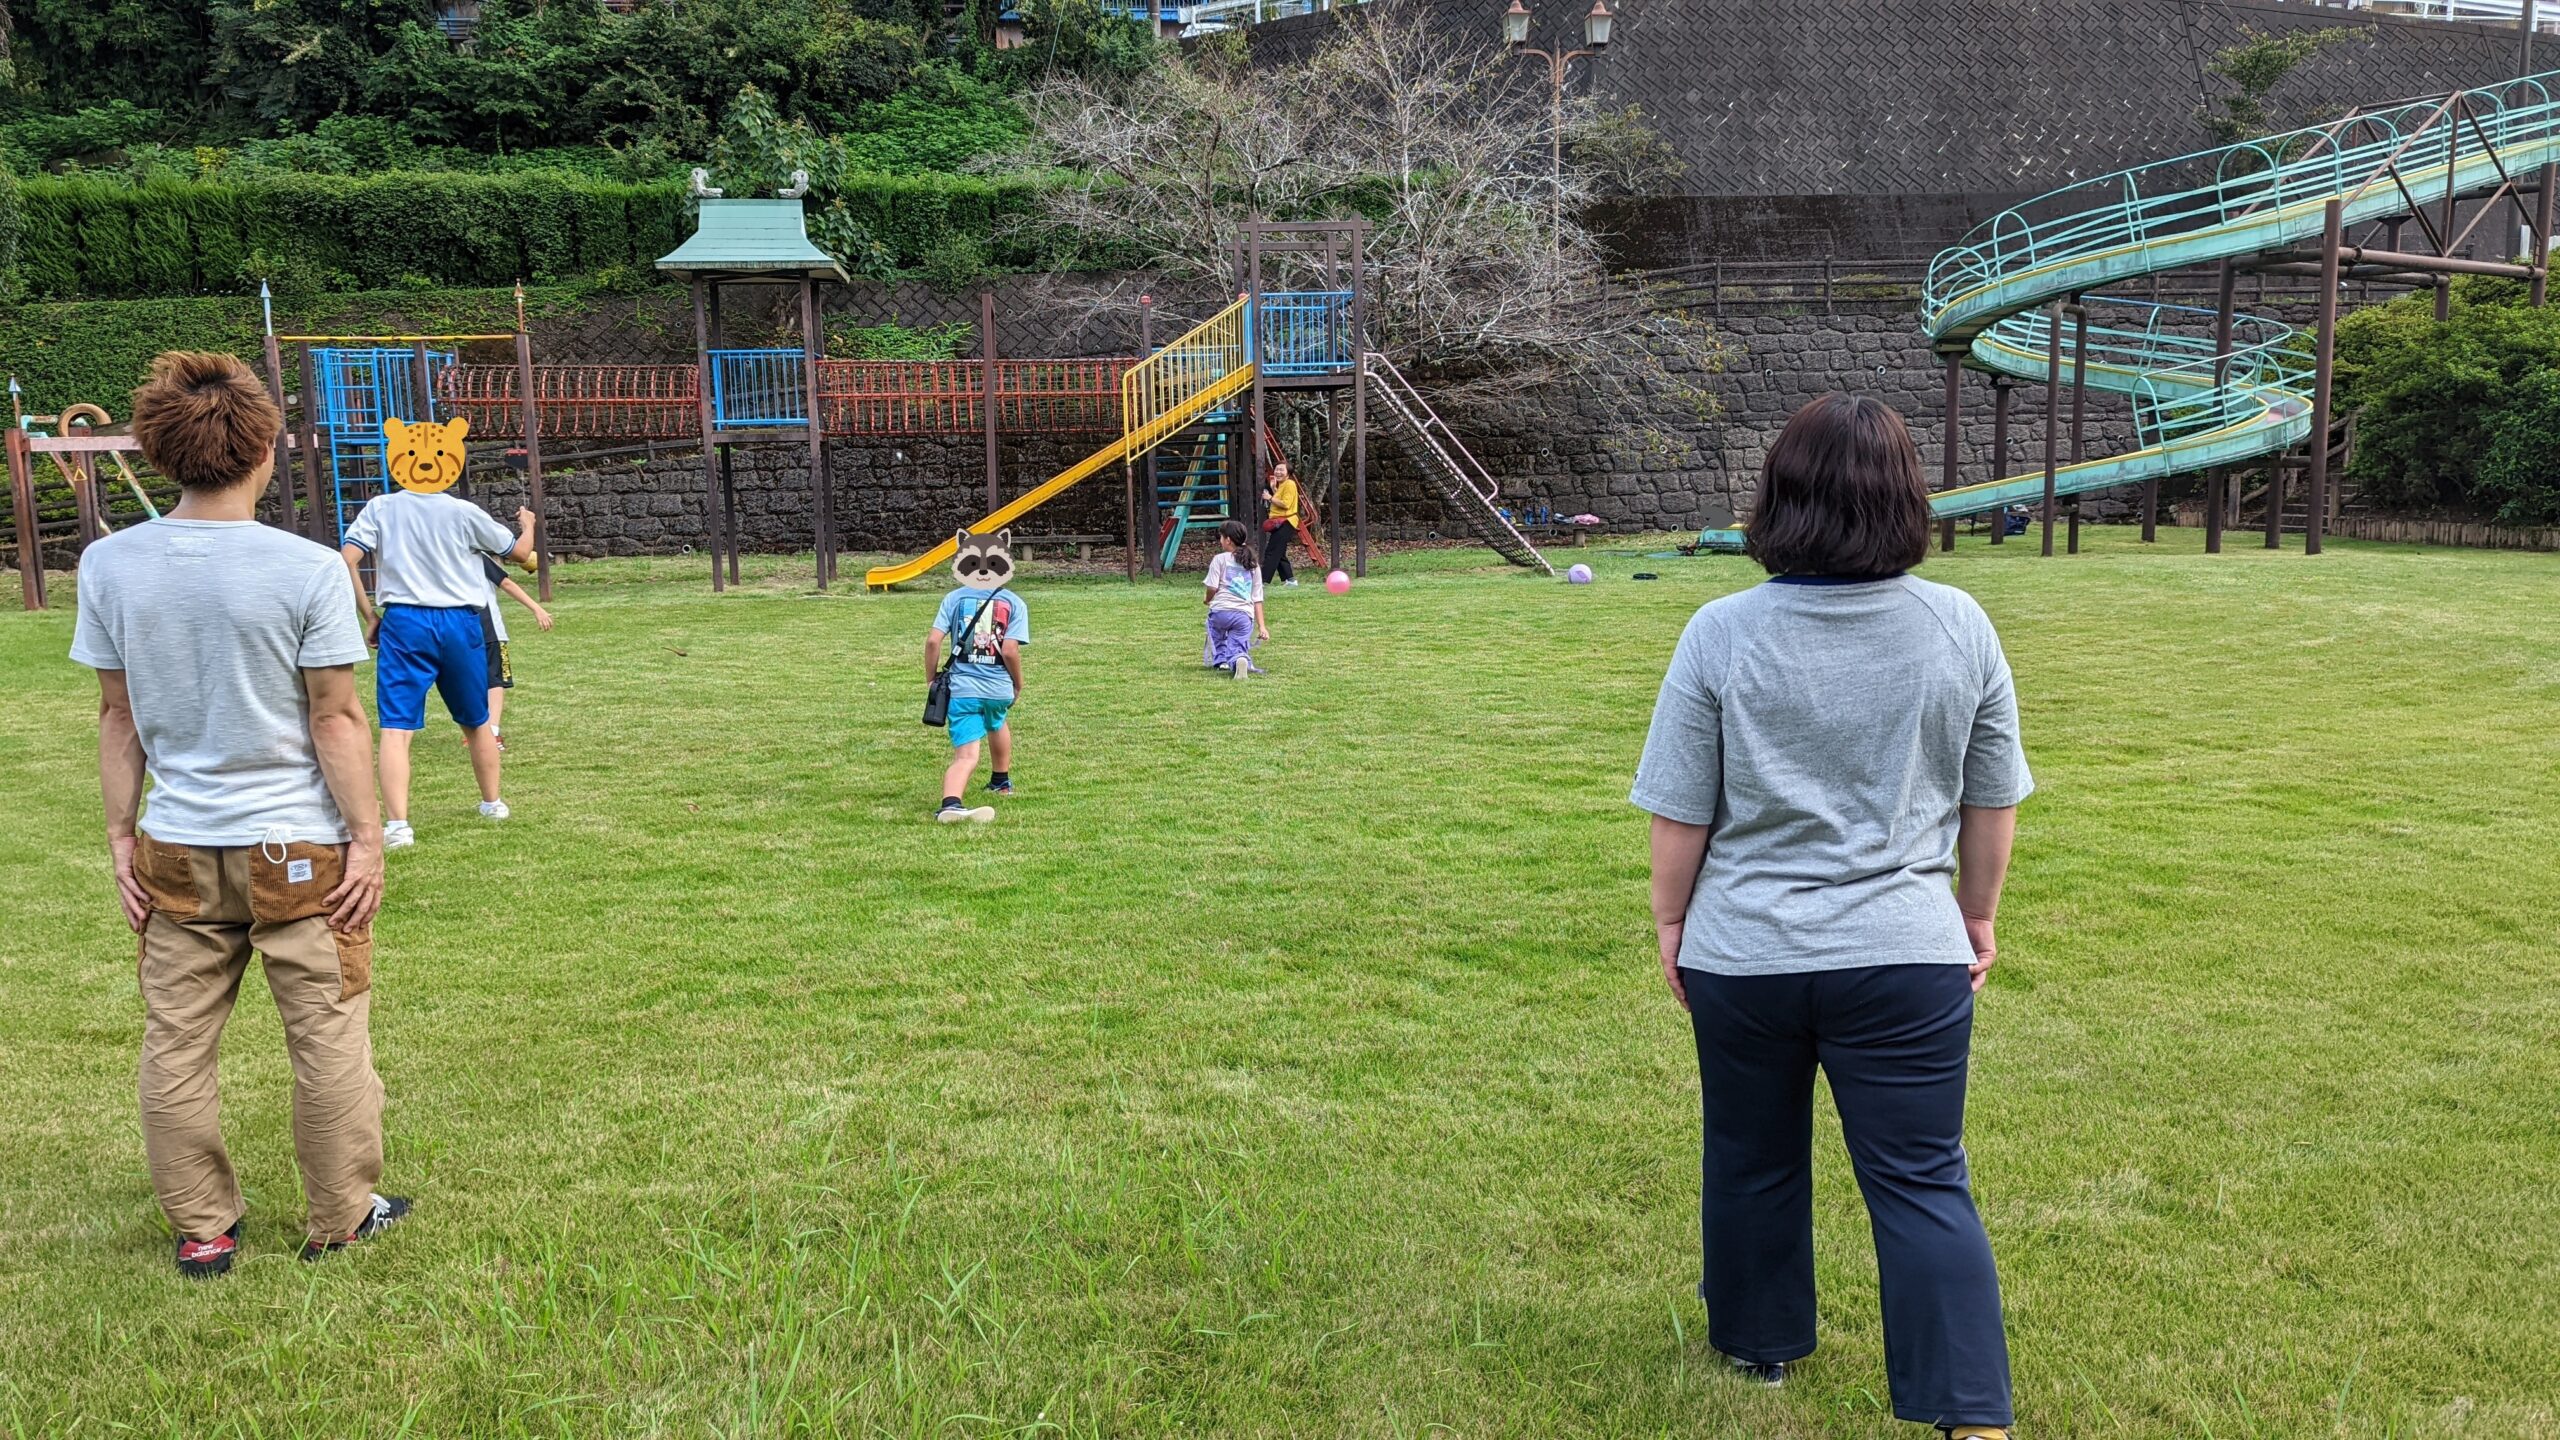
point(1986, 950)
point(1668, 937)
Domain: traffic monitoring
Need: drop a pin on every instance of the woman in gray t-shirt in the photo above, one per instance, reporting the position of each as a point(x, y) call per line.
point(1833, 773)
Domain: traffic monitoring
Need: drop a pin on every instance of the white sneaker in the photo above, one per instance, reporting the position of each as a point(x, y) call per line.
point(397, 835)
point(954, 814)
point(1244, 667)
point(1289, 584)
point(493, 809)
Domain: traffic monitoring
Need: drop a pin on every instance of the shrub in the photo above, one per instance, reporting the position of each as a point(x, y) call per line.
point(2428, 396)
point(2520, 473)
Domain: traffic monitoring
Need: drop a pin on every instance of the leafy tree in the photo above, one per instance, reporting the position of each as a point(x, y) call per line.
point(2520, 474)
point(2255, 67)
point(2429, 398)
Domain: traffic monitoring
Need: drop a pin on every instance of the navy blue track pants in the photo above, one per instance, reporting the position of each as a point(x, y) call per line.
point(1893, 1040)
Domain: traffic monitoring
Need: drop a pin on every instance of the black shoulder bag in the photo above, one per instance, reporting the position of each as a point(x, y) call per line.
point(937, 695)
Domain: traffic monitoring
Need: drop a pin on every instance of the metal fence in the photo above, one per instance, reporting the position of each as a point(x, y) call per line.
point(1303, 332)
point(751, 388)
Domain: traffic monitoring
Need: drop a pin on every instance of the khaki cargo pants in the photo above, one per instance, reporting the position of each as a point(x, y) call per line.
point(209, 908)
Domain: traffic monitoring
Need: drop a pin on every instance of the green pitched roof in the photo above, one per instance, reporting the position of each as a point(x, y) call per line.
point(750, 237)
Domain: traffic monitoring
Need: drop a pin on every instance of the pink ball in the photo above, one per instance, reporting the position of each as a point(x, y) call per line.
point(1337, 583)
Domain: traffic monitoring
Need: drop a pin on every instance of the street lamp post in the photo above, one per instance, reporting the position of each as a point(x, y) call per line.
point(1595, 39)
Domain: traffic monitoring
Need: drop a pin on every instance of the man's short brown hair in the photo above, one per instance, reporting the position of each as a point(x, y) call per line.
point(1841, 494)
point(204, 420)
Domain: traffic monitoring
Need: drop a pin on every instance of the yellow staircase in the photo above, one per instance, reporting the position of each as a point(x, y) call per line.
point(1159, 396)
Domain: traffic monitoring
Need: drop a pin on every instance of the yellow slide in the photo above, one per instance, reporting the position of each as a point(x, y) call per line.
point(1158, 396)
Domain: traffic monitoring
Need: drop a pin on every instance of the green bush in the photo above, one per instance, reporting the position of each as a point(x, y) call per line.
point(2520, 474)
point(2427, 397)
point(104, 238)
point(12, 225)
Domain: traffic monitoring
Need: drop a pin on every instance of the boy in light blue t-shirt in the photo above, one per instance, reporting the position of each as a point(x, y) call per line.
point(982, 626)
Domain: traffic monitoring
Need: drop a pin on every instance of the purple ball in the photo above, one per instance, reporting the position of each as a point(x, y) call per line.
point(1579, 575)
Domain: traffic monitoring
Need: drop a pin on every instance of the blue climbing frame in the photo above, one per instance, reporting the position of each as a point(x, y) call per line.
point(359, 388)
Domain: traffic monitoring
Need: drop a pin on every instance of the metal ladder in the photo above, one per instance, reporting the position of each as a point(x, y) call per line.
point(1463, 480)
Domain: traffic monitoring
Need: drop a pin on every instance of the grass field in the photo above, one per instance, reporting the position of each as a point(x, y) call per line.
point(1289, 1058)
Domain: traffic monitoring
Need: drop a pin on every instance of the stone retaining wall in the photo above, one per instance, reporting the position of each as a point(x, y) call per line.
point(1667, 474)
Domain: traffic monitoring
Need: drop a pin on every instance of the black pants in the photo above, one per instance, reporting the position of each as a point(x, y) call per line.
point(1275, 553)
point(1893, 1040)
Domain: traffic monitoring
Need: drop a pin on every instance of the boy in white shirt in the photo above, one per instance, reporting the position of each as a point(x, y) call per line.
point(426, 548)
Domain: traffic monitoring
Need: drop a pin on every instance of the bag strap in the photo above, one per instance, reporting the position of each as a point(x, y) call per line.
point(964, 631)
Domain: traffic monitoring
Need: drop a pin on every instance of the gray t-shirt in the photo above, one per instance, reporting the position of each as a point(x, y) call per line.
point(213, 623)
point(1827, 733)
point(427, 548)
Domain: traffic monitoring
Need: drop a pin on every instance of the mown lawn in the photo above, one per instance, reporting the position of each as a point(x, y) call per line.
point(1289, 1058)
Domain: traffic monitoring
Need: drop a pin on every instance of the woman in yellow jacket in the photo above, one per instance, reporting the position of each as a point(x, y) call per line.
point(1279, 524)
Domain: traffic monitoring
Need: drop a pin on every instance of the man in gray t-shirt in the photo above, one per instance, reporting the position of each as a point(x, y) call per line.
point(226, 654)
point(1826, 734)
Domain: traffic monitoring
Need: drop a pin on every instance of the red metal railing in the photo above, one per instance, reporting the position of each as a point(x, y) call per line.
point(579, 402)
point(946, 397)
point(855, 397)
point(1060, 395)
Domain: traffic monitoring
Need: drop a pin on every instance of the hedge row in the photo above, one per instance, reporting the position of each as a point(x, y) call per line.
point(86, 238)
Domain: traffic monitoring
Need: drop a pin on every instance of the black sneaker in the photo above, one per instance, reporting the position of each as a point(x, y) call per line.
point(387, 1211)
point(999, 787)
point(204, 1259)
point(1772, 1373)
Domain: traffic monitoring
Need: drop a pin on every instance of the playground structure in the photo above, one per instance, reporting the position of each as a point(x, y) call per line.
point(1191, 409)
point(2211, 388)
point(1191, 412)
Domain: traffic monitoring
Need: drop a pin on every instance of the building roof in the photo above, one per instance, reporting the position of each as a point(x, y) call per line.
point(768, 238)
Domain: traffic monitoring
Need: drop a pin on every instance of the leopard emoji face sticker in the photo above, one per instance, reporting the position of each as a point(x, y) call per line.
point(426, 457)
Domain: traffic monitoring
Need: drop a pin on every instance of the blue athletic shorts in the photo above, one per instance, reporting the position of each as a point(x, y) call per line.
point(422, 646)
point(972, 719)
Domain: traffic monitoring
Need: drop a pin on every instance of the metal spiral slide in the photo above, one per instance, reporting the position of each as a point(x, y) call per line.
point(2197, 405)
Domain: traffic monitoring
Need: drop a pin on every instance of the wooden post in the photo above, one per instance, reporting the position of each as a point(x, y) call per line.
point(2079, 402)
point(320, 513)
point(1248, 488)
point(729, 510)
point(2324, 374)
point(2001, 385)
point(820, 477)
point(82, 472)
point(2217, 483)
point(711, 449)
point(22, 497)
point(281, 482)
point(422, 388)
point(2052, 413)
point(1359, 408)
point(1955, 429)
point(2550, 182)
point(987, 394)
point(533, 461)
point(2459, 111)
point(1333, 475)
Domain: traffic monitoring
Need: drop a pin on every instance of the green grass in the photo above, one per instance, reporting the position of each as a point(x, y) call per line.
point(1289, 1059)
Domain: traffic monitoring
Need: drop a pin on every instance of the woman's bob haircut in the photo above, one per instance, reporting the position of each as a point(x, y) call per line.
point(1841, 494)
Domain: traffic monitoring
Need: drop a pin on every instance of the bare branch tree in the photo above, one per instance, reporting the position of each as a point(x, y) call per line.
point(1438, 140)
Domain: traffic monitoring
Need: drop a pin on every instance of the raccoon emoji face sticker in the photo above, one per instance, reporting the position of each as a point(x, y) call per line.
point(425, 458)
point(984, 562)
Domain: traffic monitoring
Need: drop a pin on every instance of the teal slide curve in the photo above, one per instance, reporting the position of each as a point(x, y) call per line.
point(2195, 408)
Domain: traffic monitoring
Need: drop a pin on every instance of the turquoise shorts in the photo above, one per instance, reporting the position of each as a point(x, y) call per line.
point(971, 719)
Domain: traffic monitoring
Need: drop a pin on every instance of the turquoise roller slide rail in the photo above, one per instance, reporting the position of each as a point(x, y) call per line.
point(2194, 409)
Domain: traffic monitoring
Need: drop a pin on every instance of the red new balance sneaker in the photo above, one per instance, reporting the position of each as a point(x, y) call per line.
point(204, 1259)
